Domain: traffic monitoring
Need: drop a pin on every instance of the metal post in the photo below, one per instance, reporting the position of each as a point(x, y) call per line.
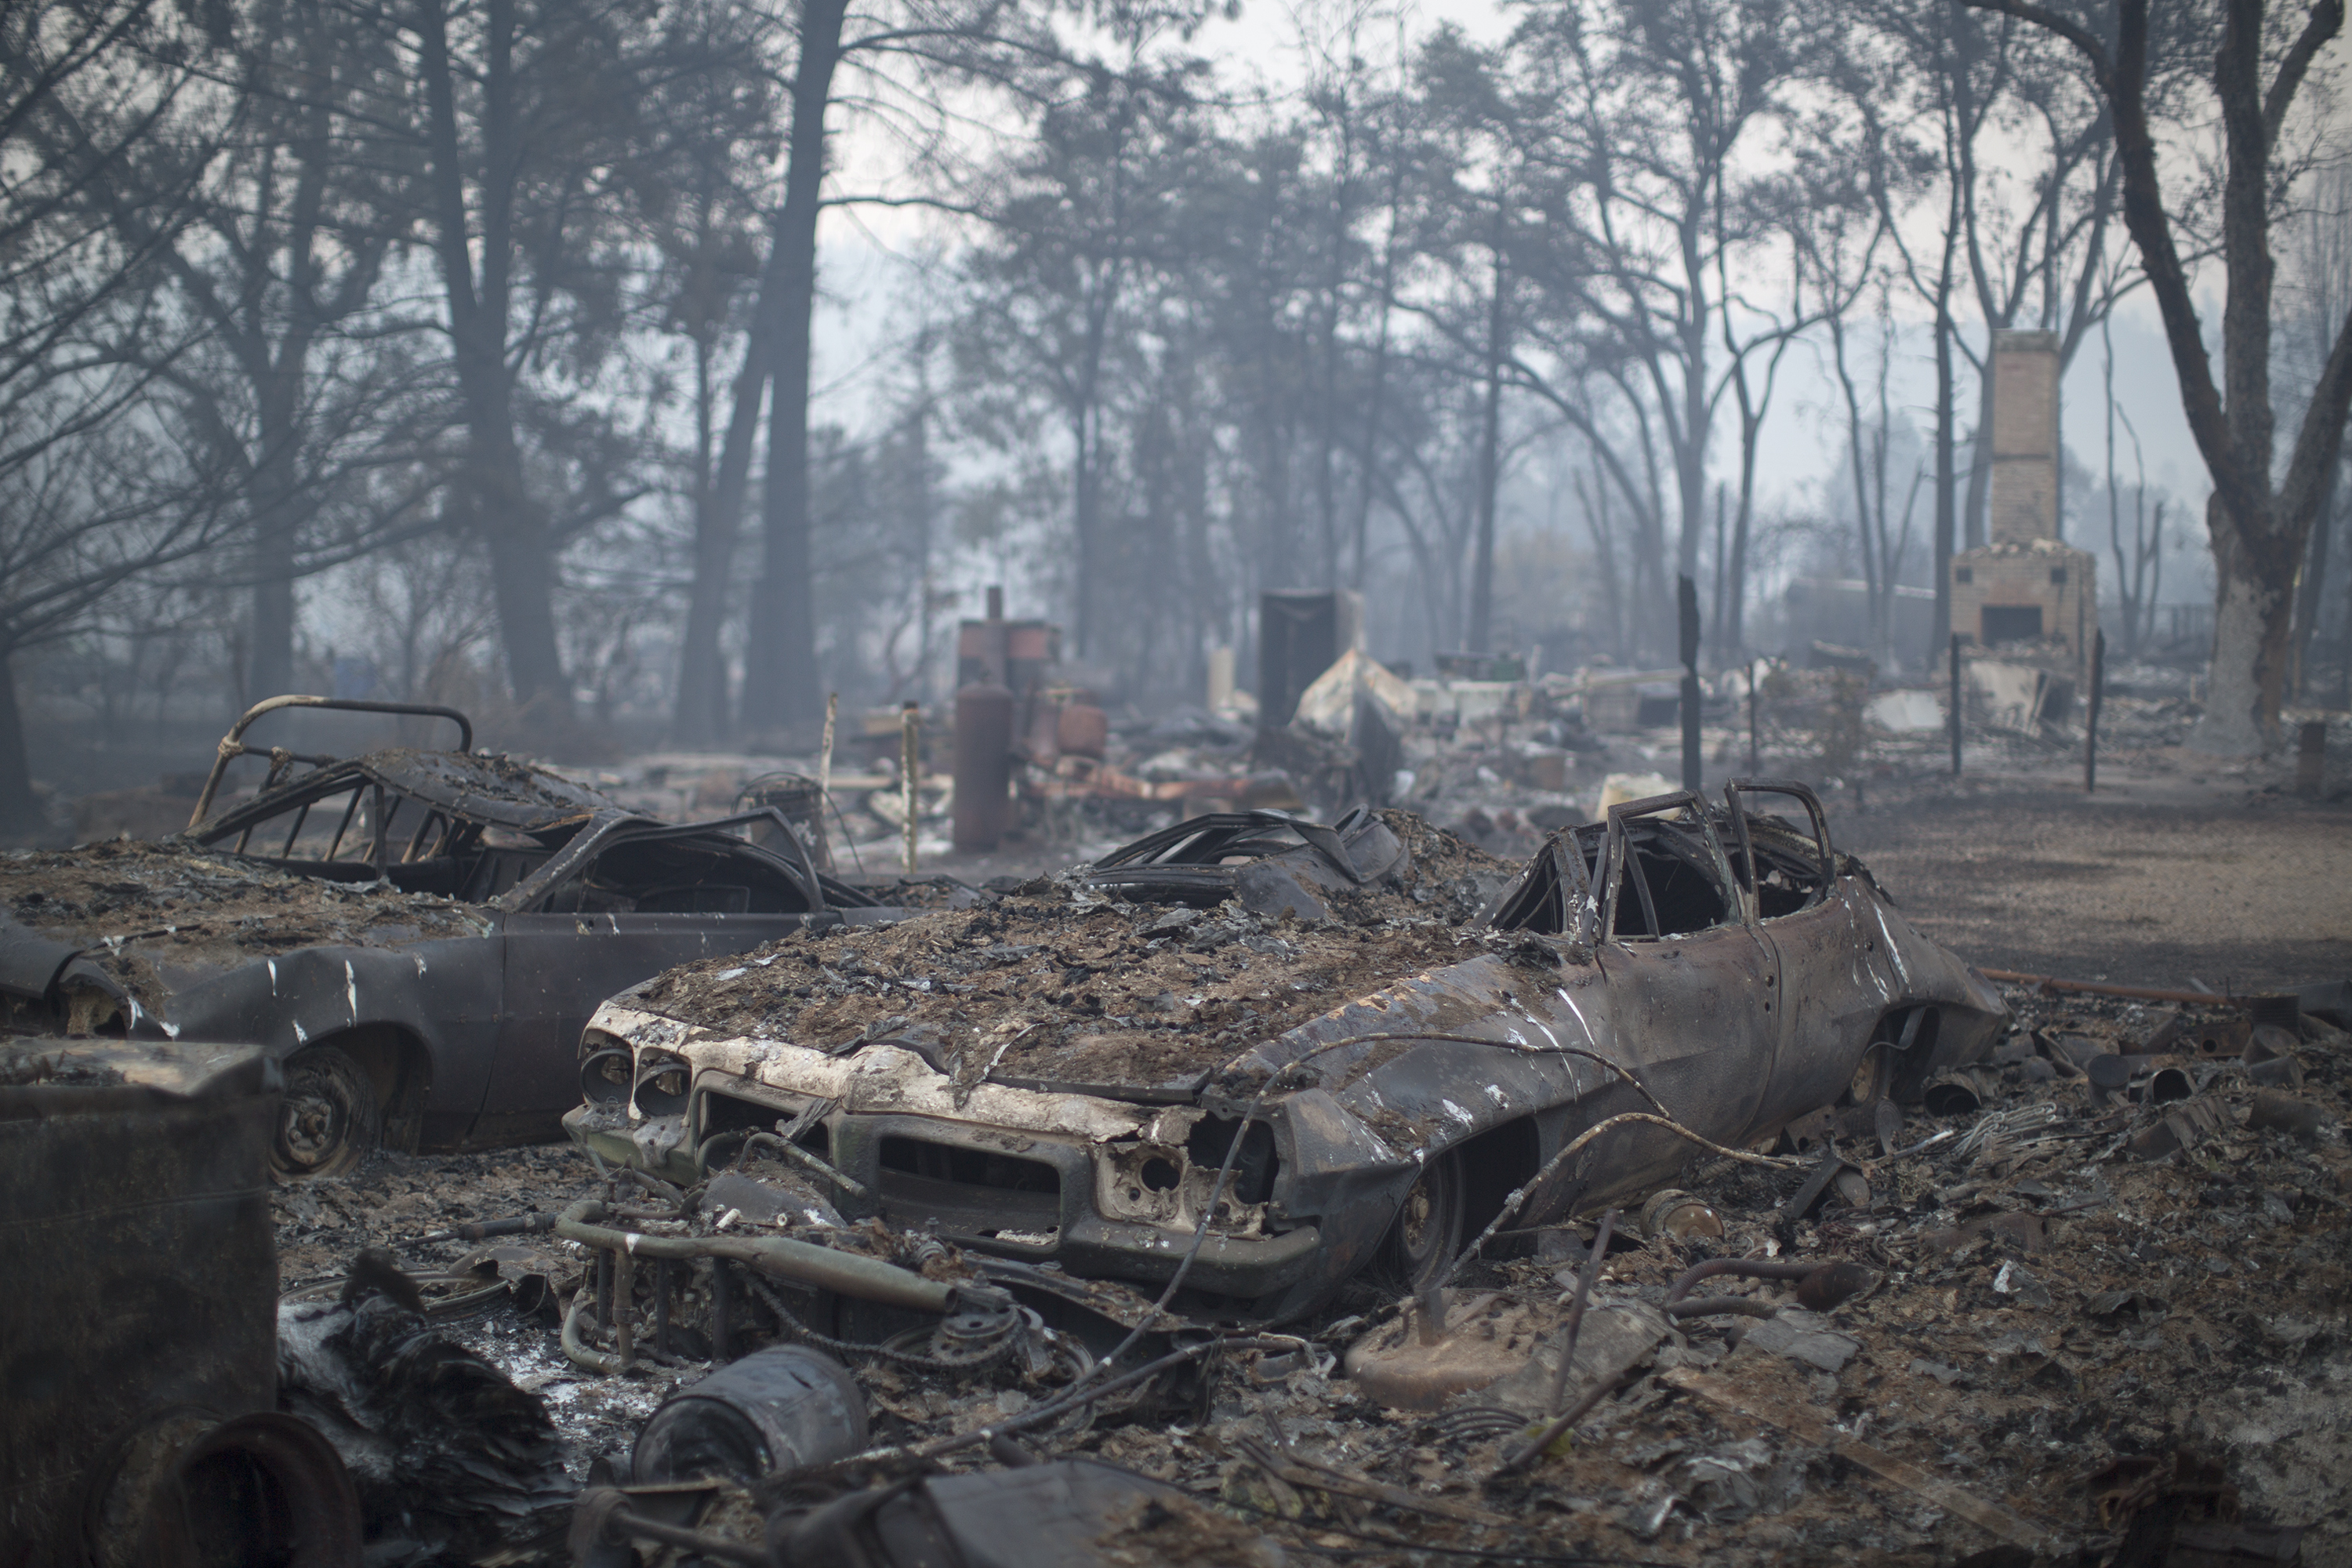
point(1687, 602)
point(1956, 704)
point(1754, 766)
point(624, 1315)
point(2091, 728)
point(825, 754)
point(2311, 759)
point(910, 724)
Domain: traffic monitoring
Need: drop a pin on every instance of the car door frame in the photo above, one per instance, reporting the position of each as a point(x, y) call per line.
point(1715, 1093)
point(1813, 950)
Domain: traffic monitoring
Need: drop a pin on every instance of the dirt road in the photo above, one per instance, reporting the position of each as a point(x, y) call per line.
point(2138, 889)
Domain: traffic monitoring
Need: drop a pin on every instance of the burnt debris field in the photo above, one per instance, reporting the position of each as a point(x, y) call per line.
point(1085, 1218)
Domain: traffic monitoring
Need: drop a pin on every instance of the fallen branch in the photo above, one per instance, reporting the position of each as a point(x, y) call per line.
point(1991, 1518)
point(1298, 1472)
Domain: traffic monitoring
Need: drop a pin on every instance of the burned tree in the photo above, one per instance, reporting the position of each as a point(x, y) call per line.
point(2259, 525)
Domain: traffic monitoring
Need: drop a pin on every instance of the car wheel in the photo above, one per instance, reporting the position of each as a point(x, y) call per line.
point(1428, 1229)
point(1874, 1076)
point(328, 1121)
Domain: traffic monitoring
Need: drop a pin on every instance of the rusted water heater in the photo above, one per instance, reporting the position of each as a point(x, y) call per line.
point(983, 765)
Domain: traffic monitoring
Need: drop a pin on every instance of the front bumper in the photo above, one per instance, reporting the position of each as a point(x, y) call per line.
point(1061, 1227)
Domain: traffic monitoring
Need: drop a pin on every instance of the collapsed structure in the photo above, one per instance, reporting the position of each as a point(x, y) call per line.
point(2025, 584)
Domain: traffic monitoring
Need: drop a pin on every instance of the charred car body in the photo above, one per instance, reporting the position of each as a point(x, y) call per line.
point(419, 936)
point(1713, 959)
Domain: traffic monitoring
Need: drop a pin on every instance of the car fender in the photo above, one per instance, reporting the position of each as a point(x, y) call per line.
point(295, 999)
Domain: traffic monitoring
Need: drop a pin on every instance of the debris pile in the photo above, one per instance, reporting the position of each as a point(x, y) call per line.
point(1103, 990)
point(2095, 1304)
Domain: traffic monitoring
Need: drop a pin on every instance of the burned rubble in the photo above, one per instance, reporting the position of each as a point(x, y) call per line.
point(2082, 1301)
point(2060, 1317)
point(2075, 1296)
point(1104, 988)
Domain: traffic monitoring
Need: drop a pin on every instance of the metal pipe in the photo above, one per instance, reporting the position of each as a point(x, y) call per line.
point(1956, 704)
point(2091, 722)
point(824, 761)
point(574, 1350)
point(623, 1320)
point(1590, 1272)
point(910, 749)
point(868, 1279)
point(1754, 766)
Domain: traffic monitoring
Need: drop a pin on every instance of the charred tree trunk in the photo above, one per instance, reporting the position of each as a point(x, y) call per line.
point(1946, 454)
point(20, 810)
point(701, 716)
point(1490, 458)
point(277, 524)
point(2309, 599)
point(779, 677)
point(1973, 510)
point(492, 498)
point(2258, 530)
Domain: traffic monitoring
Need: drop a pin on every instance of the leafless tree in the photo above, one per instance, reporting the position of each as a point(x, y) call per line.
point(2260, 525)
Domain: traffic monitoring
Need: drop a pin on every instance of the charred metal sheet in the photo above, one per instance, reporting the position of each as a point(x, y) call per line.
point(1272, 862)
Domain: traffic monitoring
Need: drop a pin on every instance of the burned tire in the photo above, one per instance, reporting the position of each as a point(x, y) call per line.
point(1427, 1233)
point(329, 1120)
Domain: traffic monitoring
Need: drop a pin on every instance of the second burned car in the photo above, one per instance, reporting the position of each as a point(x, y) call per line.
point(416, 936)
point(1344, 1046)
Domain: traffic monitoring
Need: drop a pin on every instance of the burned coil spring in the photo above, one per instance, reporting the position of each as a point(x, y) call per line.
point(998, 1348)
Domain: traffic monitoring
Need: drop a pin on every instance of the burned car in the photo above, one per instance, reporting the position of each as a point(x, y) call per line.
point(418, 935)
point(1095, 1069)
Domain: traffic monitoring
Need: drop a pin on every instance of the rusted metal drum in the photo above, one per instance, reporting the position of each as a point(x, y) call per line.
point(1030, 648)
point(983, 766)
point(783, 1408)
point(139, 1356)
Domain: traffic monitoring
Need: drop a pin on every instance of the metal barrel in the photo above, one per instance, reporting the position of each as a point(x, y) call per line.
point(138, 1359)
point(783, 1408)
